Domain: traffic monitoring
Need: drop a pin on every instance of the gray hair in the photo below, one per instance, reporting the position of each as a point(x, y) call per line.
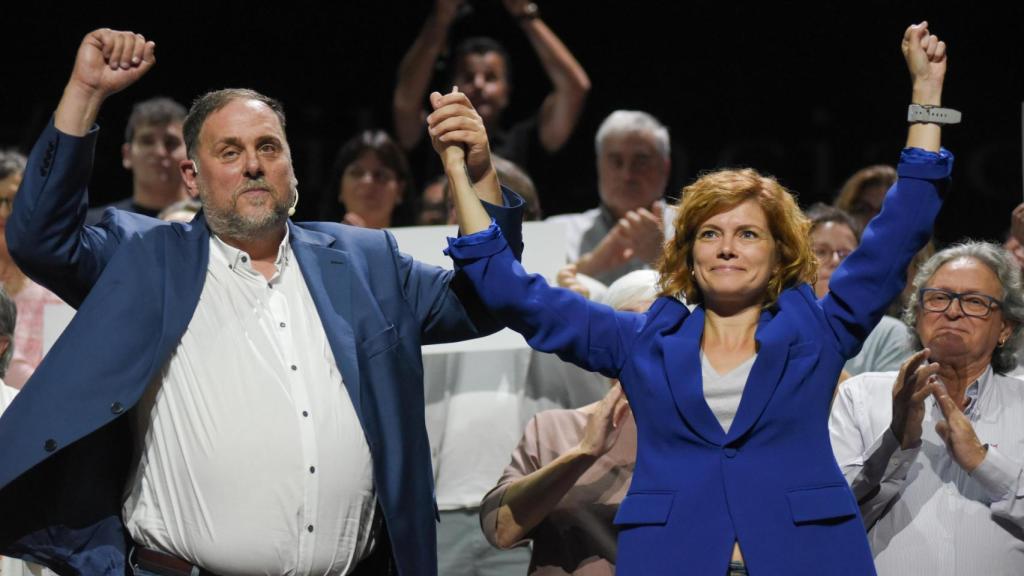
point(1002, 263)
point(8, 319)
point(11, 162)
point(633, 121)
point(633, 288)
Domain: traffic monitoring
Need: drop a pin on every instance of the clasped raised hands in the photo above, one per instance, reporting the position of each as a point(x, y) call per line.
point(457, 133)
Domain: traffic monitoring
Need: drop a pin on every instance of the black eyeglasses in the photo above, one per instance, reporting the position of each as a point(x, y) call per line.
point(939, 300)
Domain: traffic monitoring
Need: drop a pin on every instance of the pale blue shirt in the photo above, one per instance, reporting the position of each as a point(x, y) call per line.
point(925, 514)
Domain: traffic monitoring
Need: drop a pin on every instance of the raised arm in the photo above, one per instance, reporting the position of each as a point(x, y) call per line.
point(45, 233)
point(459, 137)
point(519, 503)
point(926, 61)
point(561, 109)
point(588, 334)
point(108, 61)
point(416, 70)
point(865, 283)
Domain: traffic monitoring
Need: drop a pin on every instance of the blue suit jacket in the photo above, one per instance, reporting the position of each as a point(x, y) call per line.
point(771, 481)
point(136, 282)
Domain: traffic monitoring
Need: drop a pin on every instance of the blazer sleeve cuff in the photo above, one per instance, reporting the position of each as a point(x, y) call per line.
point(509, 217)
point(477, 245)
point(924, 164)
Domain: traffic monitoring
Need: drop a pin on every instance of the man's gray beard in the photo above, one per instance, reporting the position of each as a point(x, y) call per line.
point(231, 224)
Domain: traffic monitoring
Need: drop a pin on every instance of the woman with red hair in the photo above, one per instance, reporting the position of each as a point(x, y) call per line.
point(734, 466)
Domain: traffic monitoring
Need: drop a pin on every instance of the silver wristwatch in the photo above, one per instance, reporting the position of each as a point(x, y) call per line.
point(924, 114)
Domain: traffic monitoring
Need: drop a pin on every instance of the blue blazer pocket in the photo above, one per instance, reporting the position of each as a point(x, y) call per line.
point(821, 503)
point(379, 342)
point(650, 508)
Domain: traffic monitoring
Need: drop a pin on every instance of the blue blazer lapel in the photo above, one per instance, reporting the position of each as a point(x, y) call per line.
point(775, 342)
point(682, 367)
point(328, 276)
point(184, 268)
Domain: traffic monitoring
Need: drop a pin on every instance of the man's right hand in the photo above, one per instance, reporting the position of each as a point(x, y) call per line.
point(908, 394)
point(107, 62)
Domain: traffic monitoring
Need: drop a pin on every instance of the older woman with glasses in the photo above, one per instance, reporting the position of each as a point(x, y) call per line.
point(934, 453)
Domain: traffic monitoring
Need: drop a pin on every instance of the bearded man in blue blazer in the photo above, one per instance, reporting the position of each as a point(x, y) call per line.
point(236, 395)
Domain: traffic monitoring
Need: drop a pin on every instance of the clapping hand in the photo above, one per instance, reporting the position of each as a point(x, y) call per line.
point(913, 385)
point(957, 432)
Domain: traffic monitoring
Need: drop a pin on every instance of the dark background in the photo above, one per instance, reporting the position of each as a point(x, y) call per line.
point(808, 92)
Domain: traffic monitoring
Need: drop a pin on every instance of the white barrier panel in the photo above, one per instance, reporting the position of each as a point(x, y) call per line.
point(544, 242)
point(544, 254)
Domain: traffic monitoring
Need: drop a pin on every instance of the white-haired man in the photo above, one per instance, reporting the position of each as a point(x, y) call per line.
point(626, 231)
point(940, 480)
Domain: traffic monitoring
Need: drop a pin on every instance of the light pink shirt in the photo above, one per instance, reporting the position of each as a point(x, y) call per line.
point(31, 303)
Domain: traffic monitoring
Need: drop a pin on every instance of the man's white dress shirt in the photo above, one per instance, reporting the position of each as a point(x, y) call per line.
point(249, 456)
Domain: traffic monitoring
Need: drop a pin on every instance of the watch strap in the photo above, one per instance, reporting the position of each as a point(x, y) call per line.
point(920, 113)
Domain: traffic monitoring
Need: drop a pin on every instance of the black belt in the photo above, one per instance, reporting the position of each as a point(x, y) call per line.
point(163, 564)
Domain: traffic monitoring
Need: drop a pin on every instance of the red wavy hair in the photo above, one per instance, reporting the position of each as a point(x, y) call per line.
point(721, 191)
